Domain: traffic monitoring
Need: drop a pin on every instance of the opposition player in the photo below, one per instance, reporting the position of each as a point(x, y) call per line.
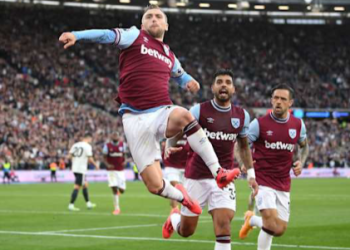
point(224, 124)
point(81, 154)
point(146, 64)
point(274, 137)
point(113, 152)
point(174, 166)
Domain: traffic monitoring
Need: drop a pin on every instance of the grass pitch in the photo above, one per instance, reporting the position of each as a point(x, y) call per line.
point(35, 216)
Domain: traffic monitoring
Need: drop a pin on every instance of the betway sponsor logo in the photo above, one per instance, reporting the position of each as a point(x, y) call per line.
point(220, 135)
point(279, 146)
point(156, 54)
point(116, 154)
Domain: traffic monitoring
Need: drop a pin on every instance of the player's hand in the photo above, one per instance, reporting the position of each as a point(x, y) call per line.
point(68, 39)
point(254, 186)
point(193, 86)
point(297, 168)
point(244, 169)
point(170, 151)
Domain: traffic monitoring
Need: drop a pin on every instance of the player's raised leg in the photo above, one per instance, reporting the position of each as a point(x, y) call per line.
point(182, 121)
point(156, 184)
point(143, 133)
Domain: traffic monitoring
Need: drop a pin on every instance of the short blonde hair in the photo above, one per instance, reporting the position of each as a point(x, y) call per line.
point(154, 6)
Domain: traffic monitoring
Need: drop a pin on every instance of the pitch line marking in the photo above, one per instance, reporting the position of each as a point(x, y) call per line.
point(168, 240)
point(100, 228)
point(202, 217)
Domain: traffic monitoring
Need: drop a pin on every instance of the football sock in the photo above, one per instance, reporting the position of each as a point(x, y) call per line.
point(116, 201)
point(200, 144)
point(264, 240)
point(256, 221)
point(223, 242)
point(176, 221)
point(86, 194)
point(170, 192)
point(74, 196)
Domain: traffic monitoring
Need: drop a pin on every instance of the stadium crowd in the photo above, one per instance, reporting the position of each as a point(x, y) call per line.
point(49, 97)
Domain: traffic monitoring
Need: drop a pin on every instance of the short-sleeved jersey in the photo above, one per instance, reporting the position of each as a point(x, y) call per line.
point(80, 151)
point(114, 155)
point(177, 160)
point(145, 69)
point(146, 65)
point(274, 142)
point(222, 126)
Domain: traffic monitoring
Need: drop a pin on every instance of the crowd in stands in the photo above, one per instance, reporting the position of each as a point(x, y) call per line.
point(49, 96)
point(39, 124)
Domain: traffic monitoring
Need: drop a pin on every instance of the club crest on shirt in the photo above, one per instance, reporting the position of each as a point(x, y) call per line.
point(210, 120)
point(292, 133)
point(166, 50)
point(235, 122)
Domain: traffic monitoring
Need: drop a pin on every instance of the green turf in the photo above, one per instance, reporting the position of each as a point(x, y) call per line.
point(320, 217)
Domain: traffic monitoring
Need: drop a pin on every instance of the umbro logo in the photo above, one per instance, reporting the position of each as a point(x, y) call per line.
point(210, 120)
point(269, 133)
point(145, 39)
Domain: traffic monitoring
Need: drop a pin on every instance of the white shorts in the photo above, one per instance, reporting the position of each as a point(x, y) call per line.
point(269, 198)
point(207, 192)
point(174, 174)
point(143, 133)
point(116, 179)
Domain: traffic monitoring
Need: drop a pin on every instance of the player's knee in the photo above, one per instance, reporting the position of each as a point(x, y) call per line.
point(224, 227)
point(155, 188)
point(280, 230)
point(184, 117)
point(187, 117)
point(186, 232)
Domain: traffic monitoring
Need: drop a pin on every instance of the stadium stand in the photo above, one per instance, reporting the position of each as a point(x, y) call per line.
point(49, 97)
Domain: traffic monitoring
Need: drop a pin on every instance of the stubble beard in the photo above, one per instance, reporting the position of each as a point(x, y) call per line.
point(156, 34)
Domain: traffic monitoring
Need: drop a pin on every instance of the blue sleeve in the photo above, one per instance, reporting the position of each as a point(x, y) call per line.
point(105, 150)
point(179, 74)
point(126, 37)
point(303, 134)
point(97, 36)
point(195, 111)
point(245, 129)
point(123, 38)
point(254, 131)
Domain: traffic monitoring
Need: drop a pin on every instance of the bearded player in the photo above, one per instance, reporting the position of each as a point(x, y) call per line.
point(275, 137)
point(224, 124)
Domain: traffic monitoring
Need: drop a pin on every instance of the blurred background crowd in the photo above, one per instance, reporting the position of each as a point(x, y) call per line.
point(49, 97)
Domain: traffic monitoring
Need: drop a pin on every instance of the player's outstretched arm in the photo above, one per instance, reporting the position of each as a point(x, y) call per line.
point(193, 86)
point(183, 79)
point(96, 36)
point(68, 39)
